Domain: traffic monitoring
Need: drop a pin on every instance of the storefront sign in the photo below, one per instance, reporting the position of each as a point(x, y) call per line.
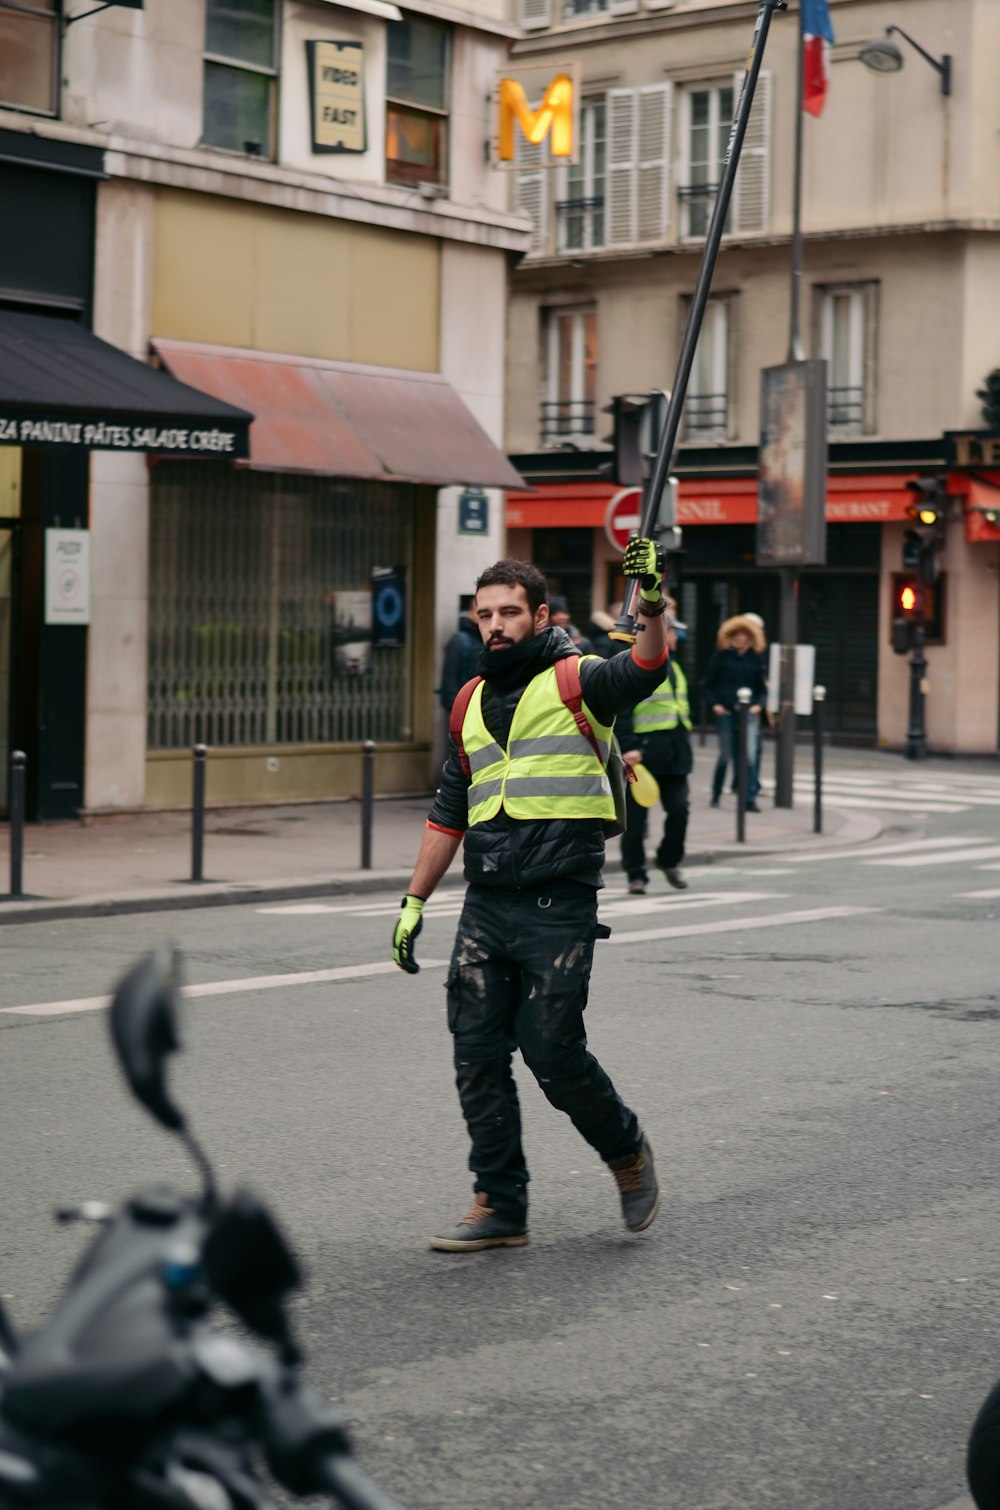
point(388, 607)
point(973, 448)
point(556, 117)
point(473, 512)
point(67, 576)
point(337, 92)
point(92, 433)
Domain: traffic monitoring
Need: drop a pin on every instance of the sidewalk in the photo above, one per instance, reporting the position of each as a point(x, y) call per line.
point(142, 862)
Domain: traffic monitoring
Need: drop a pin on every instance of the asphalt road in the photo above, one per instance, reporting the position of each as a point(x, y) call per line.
point(814, 1318)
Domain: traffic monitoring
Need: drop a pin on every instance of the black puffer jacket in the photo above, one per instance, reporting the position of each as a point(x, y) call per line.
point(519, 853)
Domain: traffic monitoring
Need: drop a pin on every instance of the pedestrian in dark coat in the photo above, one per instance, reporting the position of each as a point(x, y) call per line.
point(735, 663)
point(461, 656)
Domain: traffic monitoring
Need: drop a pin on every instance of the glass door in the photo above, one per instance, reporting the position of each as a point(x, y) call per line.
point(6, 637)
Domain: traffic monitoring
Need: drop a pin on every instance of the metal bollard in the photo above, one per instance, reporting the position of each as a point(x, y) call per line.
point(18, 763)
point(742, 712)
point(819, 697)
point(198, 813)
point(367, 801)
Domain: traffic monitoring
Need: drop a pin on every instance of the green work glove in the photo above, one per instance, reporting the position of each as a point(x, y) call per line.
point(410, 923)
point(644, 559)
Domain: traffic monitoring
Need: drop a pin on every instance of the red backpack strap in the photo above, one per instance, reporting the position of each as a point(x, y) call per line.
point(568, 682)
point(456, 719)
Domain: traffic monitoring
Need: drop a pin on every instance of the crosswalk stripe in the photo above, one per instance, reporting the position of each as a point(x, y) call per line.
point(983, 895)
point(947, 857)
point(737, 925)
point(636, 906)
point(866, 852)
point(895, 804)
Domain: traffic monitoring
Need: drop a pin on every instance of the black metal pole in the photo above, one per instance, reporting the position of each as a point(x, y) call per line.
point(367, 801)
point(625, 627)
point(916, 734)
point(819, 697)
point(198, 813)
point(784, 763)
point(795, 352)
point(742, 711)
point(18, 763)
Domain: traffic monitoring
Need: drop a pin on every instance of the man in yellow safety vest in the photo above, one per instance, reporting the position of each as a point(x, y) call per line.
point(528, 792)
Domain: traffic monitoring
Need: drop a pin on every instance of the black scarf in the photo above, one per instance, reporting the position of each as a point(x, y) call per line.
point(515, 665)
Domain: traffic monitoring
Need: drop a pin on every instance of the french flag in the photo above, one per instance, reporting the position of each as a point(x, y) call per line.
point(817, 36)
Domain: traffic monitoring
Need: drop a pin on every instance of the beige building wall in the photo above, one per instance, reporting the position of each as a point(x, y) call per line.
point(250, 275)
point(303, 22)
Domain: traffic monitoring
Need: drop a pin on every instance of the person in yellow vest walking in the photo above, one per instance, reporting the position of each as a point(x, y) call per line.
point(658, 734)
point(527, 791)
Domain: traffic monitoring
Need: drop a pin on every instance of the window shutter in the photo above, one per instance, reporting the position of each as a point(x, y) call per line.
point(536, 14)
point(653, 188)
point(752, 192)
point(620, 209)
point(532, 191)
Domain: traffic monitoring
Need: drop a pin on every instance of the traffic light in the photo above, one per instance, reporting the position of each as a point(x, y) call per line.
point(907, 613)
point(638, 421)
point(628, 468)
point(928, 509)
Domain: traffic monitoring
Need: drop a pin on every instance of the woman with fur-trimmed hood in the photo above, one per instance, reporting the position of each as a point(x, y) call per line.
point(736, 662)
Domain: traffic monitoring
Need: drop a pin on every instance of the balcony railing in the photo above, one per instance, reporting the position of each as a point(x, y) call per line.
point(706, 413)
point(566, 420)
point(845, 409)
point(581, 224)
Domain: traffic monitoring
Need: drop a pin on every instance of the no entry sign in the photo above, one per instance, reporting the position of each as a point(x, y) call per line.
point(621, 519)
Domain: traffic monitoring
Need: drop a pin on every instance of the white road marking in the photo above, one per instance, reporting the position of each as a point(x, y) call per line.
point(636, 906)
point(949, 857)
point(230, 987)
point(386, 967)
point(865, 851)
point(983, 895)
point(736, 925)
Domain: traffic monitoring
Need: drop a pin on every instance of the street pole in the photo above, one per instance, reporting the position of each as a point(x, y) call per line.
point(742, 713)
point(916, 734)
point(819, 698)
point(625, 627)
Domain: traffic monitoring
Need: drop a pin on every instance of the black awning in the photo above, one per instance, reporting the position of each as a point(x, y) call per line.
point(62, 386)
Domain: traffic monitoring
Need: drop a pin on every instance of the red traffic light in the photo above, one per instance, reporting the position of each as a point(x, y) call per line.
point(910, 599)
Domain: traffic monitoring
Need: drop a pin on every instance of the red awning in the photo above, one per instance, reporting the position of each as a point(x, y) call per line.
point(982, 510)
point(869, 498)
point(339, 419)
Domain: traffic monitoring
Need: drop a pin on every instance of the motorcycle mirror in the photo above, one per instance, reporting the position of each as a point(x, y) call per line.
point(145, 1030)
point(250, 1266)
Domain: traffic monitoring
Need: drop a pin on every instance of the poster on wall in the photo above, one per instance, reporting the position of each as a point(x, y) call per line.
point(352, 615)
point(337, 96)
point(388, 607)
point(67, 576)
point(791, 490)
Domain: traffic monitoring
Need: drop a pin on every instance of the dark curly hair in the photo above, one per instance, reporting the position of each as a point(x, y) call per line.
point(511, 573)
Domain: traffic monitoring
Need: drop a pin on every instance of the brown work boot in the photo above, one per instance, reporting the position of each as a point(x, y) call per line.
point(482, 1227)
point(638, 1187)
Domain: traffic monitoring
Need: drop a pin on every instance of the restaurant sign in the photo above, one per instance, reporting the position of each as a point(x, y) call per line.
point(337, 92)
point(92, 432)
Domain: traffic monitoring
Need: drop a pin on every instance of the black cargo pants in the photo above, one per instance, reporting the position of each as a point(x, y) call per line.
point(519, 978)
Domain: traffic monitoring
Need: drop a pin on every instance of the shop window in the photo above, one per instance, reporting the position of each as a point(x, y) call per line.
point(241, 76)
point(416, 113)
point(845, 336)
point(707, 405)
point(707, 115)
point(580, 206)
point(571, 376)
point(29, 55)
point(260, 609)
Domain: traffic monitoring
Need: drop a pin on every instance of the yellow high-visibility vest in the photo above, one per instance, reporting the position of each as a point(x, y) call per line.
point(548, 770)
point(666, 708)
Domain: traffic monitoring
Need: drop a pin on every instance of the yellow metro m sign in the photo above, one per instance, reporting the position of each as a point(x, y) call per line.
point(553, 118)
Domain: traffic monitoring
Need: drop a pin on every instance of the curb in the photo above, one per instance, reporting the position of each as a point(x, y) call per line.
point(186, 895)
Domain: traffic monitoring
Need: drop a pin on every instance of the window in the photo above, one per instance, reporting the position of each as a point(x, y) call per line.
point(709, 116)
point(29, 55)
point(706, 406)
point(846, 338)
point(416, 114)
point(580, 210)
point(707, 120)
point(574, 9)
point(571, 376)
point(241, 39)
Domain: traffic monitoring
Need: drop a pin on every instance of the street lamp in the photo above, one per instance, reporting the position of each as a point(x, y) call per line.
point(885, 57)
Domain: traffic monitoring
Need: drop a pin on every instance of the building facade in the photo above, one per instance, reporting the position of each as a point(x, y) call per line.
point(285, 206)
point(900, 293)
